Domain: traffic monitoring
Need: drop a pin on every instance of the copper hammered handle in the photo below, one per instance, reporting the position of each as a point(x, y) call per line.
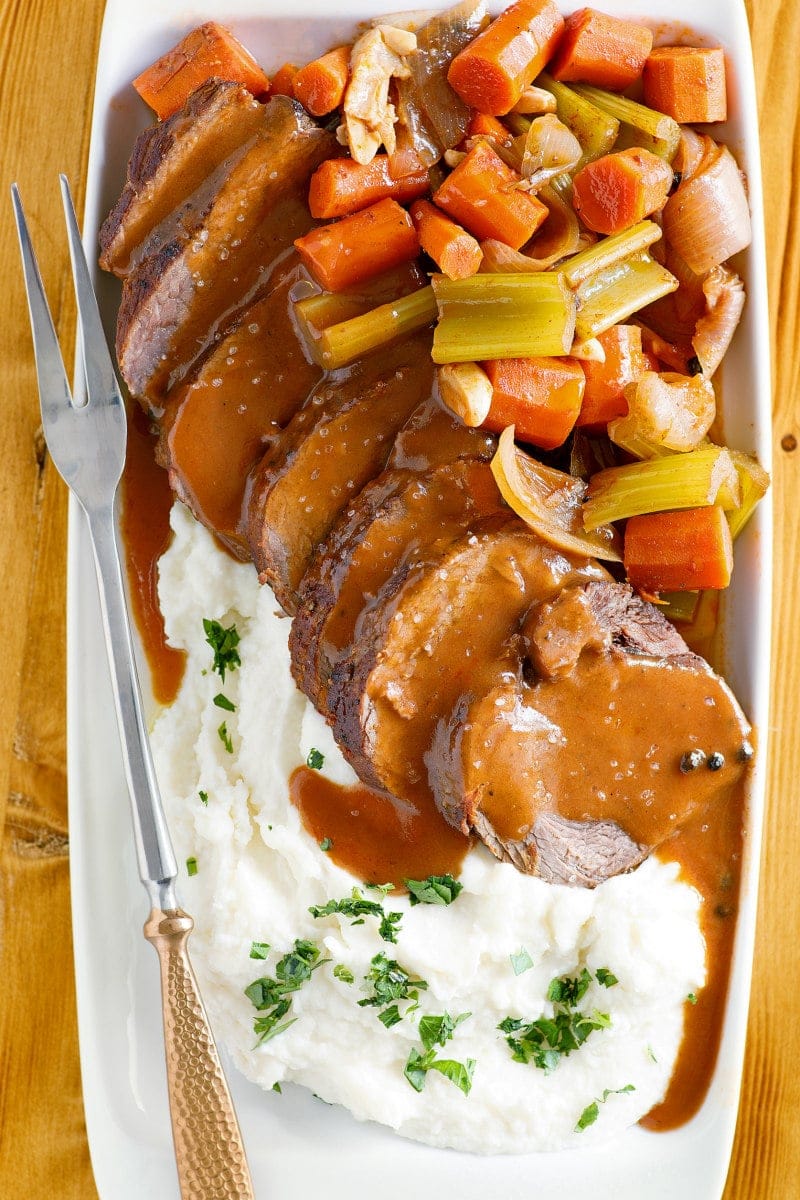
point(208, 1144)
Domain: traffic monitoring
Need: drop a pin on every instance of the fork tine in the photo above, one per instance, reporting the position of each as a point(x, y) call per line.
point(54, 388)
point(101, 380)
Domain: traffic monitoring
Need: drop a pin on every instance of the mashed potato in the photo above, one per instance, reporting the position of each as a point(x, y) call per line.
point(258, 871)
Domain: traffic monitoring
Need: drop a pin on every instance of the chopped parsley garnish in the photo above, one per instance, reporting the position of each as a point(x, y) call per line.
point(692, 998)
point(276, 1087)
point(222, 701)
point(521, 961)
point(225, 737)
point(191, 866)
point(344, 973)
point(545, 1041)
point(592, 1111)
point(203, 797)
point(326, 844)
point(223, 642)
point(357, 907)
point(437, 1031)
point(390, 926)
point(605, 977)
point(390, 1016)
point(436, 889)
point(390, 983)
point(272, 996)
point(259, 949)
point(651, 1055)
point(315, 759)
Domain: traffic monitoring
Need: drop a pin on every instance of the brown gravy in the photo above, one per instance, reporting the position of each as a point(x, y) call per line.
point(144, 523)
point(709, 849)
point(544, 742)
point(378, 838)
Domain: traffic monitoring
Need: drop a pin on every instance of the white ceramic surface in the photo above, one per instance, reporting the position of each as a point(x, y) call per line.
point(299, 1147)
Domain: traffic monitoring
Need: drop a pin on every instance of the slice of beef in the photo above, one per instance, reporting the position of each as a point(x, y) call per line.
point(218, 425)
point(579, 762)
point(441, 634)
point(557, 850)
point(397, 521)
point(337, 443)
point(182, 299)
point(595, 617)
point(174, 170)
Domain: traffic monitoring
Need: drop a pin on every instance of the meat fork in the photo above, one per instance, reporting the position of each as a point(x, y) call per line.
point(87, 444)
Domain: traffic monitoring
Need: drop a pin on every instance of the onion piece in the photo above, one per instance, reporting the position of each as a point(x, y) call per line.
point(414, 133)
point(690, 152)
point(500, 259)
point(549, 501)
point(724, 293)
point(436, 116)
point(668, 411)
point(550, 150)
point(558, 237)
point(707, 219)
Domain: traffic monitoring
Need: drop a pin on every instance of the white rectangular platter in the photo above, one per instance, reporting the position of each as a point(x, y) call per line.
point(297, 1146)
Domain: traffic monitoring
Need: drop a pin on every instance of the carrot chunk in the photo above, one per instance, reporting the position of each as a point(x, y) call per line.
point(283, 80)
point(208, 52)
point(340, 186)
point(360, 246)
point(540, 396)
point(455, 252)
point(490, 73)
point(603, 50)
point(320, 85)
point(679, 551)
point(604, 397)
point(482, 125)
point(481, 196)
point(615, 191)
point(687, 83)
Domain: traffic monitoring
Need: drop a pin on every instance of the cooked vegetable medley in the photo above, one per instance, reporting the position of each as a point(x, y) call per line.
point(577, 232)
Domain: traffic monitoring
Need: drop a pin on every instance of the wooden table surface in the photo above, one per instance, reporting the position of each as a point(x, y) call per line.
point(47, 56)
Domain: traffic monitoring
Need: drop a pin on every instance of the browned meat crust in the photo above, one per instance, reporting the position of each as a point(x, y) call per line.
point(182, 298)
point(174, 170)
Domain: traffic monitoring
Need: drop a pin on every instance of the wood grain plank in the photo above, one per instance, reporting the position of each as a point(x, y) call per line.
point(47, 55)
point(766, 1157)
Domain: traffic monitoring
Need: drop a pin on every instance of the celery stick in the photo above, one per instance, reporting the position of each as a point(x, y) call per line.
point(341, 344)
point(608, 251)
point(642, 126)
point(691, 480)
point(502, 316)
point(678, 606)
point(613, 295)
point(595, 128)
point(754, 482)
point(329, 308)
